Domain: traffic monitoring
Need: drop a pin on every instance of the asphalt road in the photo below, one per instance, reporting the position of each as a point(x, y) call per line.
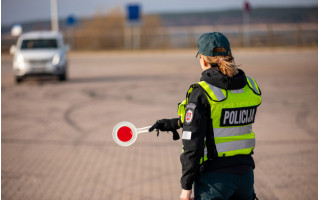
point(56, 138)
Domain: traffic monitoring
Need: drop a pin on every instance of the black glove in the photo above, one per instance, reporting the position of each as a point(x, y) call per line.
point(167, 125)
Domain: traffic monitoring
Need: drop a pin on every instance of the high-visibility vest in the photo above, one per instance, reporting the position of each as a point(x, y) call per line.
point(232, 113)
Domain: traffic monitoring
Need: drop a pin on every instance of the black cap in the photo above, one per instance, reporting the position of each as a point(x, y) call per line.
point(208, 42)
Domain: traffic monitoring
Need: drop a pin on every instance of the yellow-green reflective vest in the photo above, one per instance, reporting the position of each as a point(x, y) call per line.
point(232, 114)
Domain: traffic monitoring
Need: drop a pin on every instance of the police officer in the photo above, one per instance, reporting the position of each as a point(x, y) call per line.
point(217, 117)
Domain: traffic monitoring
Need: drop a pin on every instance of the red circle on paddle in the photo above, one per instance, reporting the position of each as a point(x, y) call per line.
point(124, 134)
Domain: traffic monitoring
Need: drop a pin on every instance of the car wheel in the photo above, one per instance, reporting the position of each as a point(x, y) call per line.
point(18, 79)
point(63, 77)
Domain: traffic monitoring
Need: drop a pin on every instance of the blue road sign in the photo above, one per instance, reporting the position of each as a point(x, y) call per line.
point(71, 20)
point(133, 13)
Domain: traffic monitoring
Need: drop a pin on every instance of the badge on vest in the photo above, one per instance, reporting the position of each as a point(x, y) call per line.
point(189, 113)
point(238, 116)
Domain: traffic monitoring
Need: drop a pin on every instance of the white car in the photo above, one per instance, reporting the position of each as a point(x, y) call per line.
point(40, 53)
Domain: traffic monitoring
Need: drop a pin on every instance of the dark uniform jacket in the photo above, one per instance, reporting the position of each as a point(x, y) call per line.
point(200, 127)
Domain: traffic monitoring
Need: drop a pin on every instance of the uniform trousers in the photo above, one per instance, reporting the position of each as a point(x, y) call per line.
point(224, 186)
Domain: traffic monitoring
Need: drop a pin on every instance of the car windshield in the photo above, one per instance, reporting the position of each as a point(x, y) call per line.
point(39, 44)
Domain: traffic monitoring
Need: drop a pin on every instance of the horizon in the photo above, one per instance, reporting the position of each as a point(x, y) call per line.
point(12, 14)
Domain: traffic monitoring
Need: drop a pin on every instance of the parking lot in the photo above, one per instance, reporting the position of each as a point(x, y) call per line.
point(57, 141)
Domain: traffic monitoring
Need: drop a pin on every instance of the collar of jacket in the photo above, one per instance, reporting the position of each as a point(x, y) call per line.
point(216, 78)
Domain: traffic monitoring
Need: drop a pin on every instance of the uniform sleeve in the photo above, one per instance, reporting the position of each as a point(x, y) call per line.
point(194, 131)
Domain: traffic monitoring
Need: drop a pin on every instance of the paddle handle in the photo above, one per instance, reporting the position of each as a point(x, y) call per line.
point(143, 130)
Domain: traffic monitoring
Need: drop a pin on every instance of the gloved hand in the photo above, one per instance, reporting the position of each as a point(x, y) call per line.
point(167, 125)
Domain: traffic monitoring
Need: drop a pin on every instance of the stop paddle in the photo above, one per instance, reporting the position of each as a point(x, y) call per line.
point(125, 133)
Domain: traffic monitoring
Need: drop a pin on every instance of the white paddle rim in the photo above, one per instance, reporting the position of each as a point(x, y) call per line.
point(134, 130)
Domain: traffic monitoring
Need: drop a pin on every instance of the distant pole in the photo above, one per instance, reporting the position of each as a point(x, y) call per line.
point(127, 37)
point(136, 35)
point(246, 23)
point(54, 16)
point(71, 22)
point(133, 27)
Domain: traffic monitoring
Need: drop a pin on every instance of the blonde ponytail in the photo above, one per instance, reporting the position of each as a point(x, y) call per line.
point(225, 64)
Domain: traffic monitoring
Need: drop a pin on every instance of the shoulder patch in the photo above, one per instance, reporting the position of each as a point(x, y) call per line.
point(189, 113)
point(189, 116)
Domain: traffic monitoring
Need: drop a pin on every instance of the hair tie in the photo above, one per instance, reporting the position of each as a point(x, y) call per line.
point(221, 59)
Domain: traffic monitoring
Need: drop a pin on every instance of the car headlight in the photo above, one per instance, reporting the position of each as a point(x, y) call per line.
point(56, 59)
point(20, 59)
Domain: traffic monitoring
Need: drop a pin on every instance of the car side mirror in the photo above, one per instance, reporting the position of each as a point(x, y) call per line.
point(13, 49)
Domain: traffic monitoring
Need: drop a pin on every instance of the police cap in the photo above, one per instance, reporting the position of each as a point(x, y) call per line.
point(213, 44)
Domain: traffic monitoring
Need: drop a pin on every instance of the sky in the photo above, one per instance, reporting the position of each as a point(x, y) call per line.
point(18, 11)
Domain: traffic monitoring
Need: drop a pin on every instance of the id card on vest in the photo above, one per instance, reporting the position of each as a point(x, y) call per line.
point(238, 116)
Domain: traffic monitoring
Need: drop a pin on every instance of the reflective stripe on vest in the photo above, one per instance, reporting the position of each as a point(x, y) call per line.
point(253, 85)
point(237, 91)
point(217, 92)
point(235, 145)
point(225, 132)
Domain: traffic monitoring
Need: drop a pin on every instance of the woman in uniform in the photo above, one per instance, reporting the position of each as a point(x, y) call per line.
point(217, 117)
